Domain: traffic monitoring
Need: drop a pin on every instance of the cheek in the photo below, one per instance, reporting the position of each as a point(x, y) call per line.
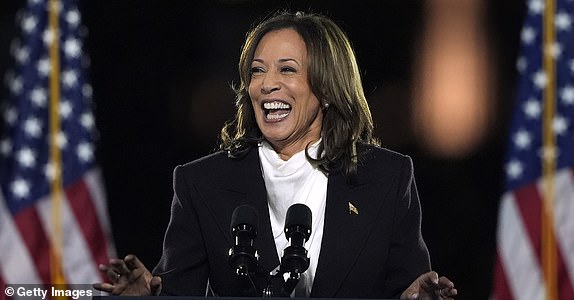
point(251, 93)
point(254, 85)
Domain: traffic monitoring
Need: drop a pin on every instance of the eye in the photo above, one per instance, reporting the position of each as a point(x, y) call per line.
point(288, 69)
point(255, 70)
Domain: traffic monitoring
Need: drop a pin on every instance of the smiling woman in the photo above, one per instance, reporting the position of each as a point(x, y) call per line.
point(286, 110)
point(315, 57)
point(302, 134)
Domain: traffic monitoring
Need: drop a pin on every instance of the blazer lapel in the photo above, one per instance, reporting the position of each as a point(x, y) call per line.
point(248, 180)
point(350, 213)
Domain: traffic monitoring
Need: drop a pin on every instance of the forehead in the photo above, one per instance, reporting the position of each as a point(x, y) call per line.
point(285, 41)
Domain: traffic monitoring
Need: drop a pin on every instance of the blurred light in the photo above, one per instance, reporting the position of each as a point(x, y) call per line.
point(453, 95)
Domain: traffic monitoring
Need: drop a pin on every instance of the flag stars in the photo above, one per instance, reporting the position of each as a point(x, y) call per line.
point(567, 95)
point(10, 115)
point(29, 24)
point(44, 66)
point(22, 55)
point(528, 35)
point(51, 171)
point(26, 157)
point(61, 140)
point(85, 152)
point(540, 79)
point(16, 85)
point(521, 64)
point(87, 90)
point(87, 120)
point(69, 78)
point(47, 37)
point(73, 17)
point(5, 147)
point(72, 48)
point(514, 169)
point(559, 125)
point(65, 109)
point(536, 7)
point(20, 188)
point(532, 108)
point(522, 139)
point(39, 96)
point(572, 66)
point(33, 127)
point(555, 50)
point(563, 21)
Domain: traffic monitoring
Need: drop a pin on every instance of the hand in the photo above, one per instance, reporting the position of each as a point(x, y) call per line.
point(129, 277)
point(430, 286)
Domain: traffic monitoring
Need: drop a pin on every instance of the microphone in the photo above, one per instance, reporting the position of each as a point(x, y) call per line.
point(297, 230)
point(243, 256)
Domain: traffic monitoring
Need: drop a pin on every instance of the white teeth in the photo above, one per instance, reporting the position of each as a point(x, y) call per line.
point(276, 105)
point(276, 116)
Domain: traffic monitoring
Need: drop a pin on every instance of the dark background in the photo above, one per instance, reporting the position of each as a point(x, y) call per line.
point(161, 73)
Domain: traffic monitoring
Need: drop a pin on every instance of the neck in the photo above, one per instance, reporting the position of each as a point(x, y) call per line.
point(286, 151)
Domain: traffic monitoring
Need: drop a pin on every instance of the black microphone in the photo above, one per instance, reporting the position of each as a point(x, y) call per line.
point(297, 230)
point(242, 256)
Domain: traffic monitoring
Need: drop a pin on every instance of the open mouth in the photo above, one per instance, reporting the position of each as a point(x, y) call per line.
point(276, 110)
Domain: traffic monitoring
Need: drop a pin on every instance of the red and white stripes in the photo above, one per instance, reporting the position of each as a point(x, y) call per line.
point(25, 238)
point(518, 271)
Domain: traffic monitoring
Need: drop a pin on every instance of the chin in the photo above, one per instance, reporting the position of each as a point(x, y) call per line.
point(273, 132)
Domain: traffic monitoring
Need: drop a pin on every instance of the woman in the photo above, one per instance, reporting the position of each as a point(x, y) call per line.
point(302, 134)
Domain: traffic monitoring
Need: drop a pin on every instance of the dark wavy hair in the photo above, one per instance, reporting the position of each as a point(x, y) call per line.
point(333, 77)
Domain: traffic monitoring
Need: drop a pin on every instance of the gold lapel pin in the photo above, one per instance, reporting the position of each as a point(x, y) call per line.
point(353, 209)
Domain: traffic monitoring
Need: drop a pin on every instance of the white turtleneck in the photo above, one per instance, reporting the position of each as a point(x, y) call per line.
point(289, 182)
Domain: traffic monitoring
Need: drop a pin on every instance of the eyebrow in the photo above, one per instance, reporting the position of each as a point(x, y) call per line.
point(281, 60)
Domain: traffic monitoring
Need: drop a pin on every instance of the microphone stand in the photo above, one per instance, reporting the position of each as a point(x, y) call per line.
point(243, 257)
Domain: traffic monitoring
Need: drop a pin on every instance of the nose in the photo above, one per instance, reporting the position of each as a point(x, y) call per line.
point(270, 83)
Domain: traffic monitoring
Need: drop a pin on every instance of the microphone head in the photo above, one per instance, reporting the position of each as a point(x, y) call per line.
point(298, 215)
point(297, 230)
point(244, 215)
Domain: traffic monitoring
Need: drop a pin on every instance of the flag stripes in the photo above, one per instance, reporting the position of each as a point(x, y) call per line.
point(518, 269)
point(26, 243)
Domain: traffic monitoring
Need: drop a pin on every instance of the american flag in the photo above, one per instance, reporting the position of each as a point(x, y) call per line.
point(534, 260)
point(46, 146)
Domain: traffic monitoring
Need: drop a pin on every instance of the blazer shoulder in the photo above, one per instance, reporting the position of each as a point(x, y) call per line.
point(218, 167)
point(380, 158)
point(208, 161)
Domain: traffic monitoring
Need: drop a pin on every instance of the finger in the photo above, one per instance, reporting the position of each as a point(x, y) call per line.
point(449, 292)
point(104, 287)
point(132, 262)
point(429, 280)
point(110, 274)
point(155, 285)
point(119, 266)
point(444, 282)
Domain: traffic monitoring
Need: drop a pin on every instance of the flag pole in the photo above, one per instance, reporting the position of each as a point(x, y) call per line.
point(56, 192)
point(549, 252)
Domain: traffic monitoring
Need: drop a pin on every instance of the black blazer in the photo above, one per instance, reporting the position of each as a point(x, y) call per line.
point(376, 253)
